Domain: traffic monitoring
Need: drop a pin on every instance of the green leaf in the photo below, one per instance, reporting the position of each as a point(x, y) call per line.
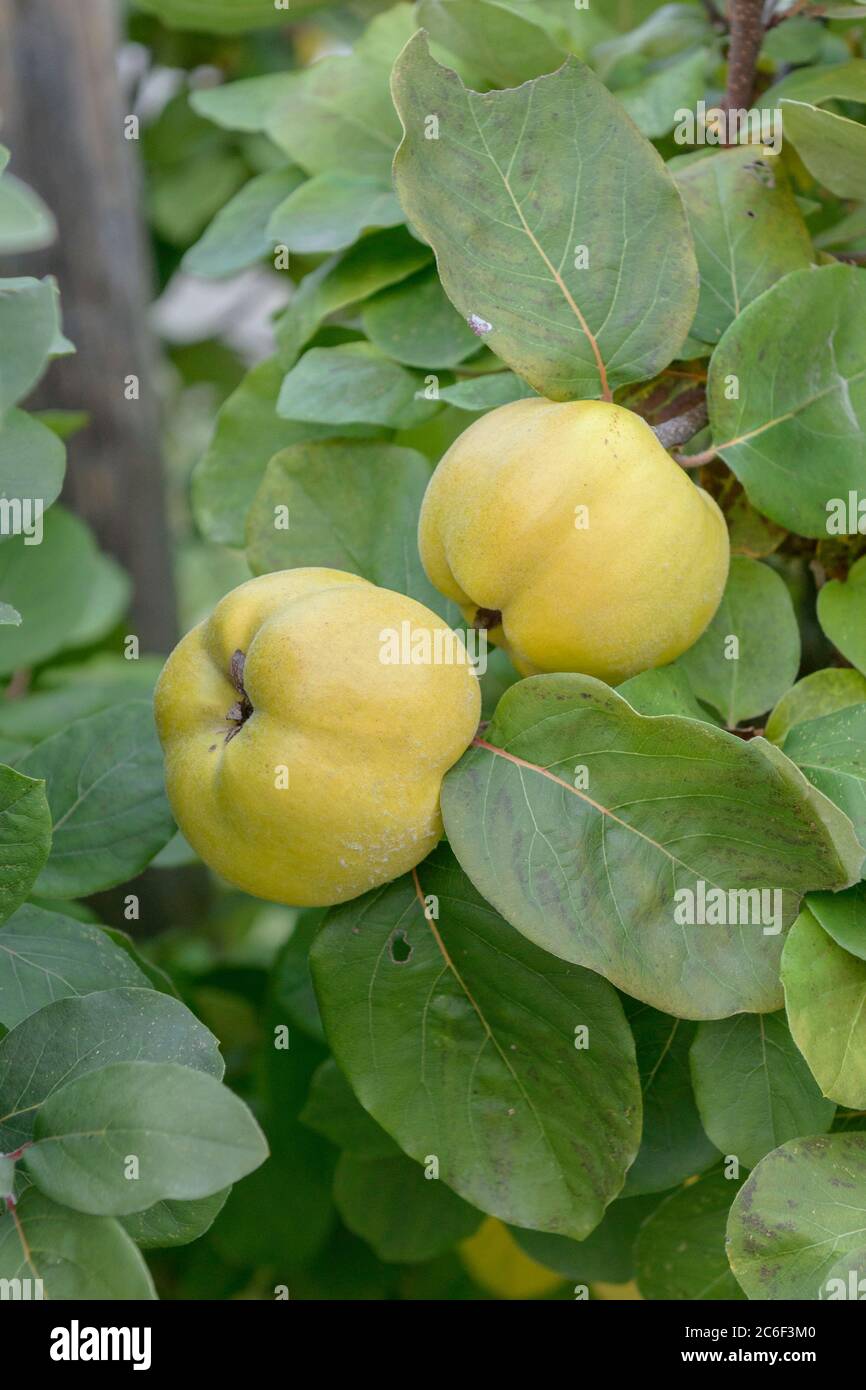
point(248, 433)
point(73, 1037)
point(842, 614)
point(753, 1088)
point(664, 690)
point(333, 1110)
point(794, 436)
point(167, 1224)
point(504, 48)
point(283, 1213)
point(480, 1032)
point(107, 601)
point(653, 102)
point(190, 1135)
point(51, 585)
point(416, 324)
point(29, 330)
point(45, 956)
point(105, 787)
point(25, 837)
point(353, 384)
point(291, 981)
point(227, 16)
point(673, 1144)
point(76, 1257)
point(246, 105)
point(238, 235)
point(32, 464)
point(591, 875)
point(843, 916)
point(743, 678)
point(816, 85)
point(822, 692)
point(381, 259)
point(681, 1247)
point(338, 114)
point(506, 202)
point(486, 392)
point(71, 692)
point(606, 1254)
point(405, 1217)
point(829, 751)
point(26, 223)
point(747, 228)
point(797, 1215)
point(351, 506)
point(331, 210)
point(825, 995)
point(833, 148)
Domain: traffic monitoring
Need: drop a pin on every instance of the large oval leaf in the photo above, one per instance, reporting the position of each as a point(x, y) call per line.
point(76, 1257)
point(825, 995)
point(794, 431)
point(514, 190)
point(829, 750)
point(189, 1135)
point(799, 1212)
point(481, 1033)
point(673, 1143)
point(25, 836)
point(680, 1251)
point(570, 821)
point(750, 653)
point(67, 1039)
point(45, 956)
point(752, 1086)
point(747, 228)
point(105, 786)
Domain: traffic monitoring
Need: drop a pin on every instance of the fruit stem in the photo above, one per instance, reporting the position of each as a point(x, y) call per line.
point(242, 708)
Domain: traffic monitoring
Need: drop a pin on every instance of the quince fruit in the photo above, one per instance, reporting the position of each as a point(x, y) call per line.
point(568, 532)
point(304, 746)
point(496, 1262)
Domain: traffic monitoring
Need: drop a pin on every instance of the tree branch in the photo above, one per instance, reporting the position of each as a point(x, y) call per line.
point(681, 428)
point(747, 34)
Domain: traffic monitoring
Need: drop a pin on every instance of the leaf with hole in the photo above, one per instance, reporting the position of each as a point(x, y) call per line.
point(484, 1036)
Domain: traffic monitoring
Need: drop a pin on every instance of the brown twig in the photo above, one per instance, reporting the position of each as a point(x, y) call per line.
point(747, 34)
point(681, 428)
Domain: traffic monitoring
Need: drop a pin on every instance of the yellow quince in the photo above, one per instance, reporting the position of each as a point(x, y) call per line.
point(307, 725)
point(568, 532)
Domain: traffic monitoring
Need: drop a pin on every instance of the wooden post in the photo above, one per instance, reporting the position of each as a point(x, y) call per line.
point(62, 116)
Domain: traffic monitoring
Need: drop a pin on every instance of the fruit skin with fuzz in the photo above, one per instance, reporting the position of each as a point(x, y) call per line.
point(299, 766)
point(626, 584)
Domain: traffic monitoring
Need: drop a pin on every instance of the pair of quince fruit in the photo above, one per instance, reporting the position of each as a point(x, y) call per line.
point(305, 767)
